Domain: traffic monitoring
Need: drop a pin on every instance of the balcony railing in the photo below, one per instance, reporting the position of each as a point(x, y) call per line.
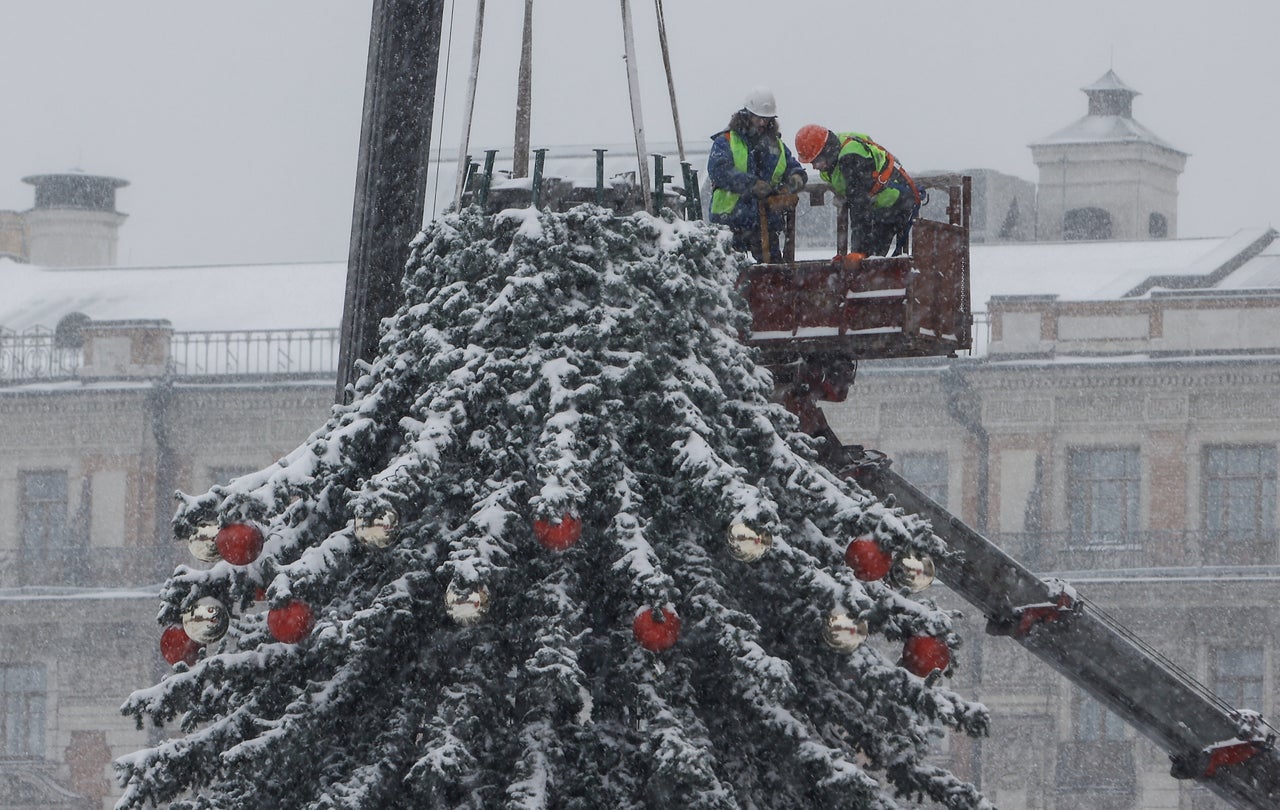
point(1103, 766)
point(35, 355)
point(88, 566)
point(1067, 551)
point(261, 352)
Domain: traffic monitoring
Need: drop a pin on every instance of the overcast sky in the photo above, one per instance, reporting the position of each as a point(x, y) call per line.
point(237, 123)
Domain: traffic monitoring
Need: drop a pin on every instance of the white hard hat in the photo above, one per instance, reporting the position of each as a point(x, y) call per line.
point(760, 102)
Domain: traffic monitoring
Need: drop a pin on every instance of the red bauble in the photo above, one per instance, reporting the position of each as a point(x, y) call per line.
point(558, 536)
point(176, 645)
point(239, 543)
point(868, 561)
point(653, 634)
point(292, 622)
point(923, 654)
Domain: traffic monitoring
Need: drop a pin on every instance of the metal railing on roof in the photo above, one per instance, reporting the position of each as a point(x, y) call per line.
point(35, 355)
point(1066, 551)
point(259, 352)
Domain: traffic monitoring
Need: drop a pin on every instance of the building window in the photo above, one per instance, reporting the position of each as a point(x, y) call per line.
point(1240, 502)
point(22, 699)
point(1103, 488)
point(43, 510)
point(1086, 223)
point(1095, 722)
point(928, 472)
point(1158, 226)
point(1236, 675)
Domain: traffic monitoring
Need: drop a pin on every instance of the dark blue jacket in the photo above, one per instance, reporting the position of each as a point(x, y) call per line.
point(762, 158)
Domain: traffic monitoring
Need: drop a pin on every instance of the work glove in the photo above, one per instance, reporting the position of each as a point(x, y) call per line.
point(761, 189)
point(795, 183)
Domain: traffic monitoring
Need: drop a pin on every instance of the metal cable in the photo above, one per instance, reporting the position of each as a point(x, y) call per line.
point(444, 97)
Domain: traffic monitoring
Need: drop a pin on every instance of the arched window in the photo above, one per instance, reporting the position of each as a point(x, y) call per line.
point(1158, 226)
point(69, 333)
point(1086, 223)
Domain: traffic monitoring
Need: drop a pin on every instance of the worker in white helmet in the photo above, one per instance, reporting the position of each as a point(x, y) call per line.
point(749, 162)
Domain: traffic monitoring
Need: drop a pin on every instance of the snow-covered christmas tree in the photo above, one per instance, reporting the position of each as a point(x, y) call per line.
point(560, 550)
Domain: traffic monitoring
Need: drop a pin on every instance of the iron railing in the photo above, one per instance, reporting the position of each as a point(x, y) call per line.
point(259, 352)
point(87, 566)
point(1103, 766)
point(1052, 551)
point(34, 355)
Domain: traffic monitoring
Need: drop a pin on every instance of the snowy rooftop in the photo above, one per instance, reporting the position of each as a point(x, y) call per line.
point(229, 297)
point(1098, 128)
point(310, 296)
point(1110, 118)
point(1093, 271)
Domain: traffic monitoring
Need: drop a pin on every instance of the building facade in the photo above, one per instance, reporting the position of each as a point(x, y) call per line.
point(90, 455)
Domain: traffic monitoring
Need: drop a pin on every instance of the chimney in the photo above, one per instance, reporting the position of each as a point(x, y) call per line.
point(74, 222)
point(13, 236)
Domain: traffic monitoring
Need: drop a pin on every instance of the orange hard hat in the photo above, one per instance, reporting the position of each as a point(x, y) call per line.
point(810, 141)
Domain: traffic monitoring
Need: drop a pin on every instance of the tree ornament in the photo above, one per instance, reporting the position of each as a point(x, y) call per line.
point(558, 536)
point(867, 559)
point(239, 543)
point(747, 544)
point(656, 629)
point(923, 654)
point(206, 621)
point(202, 544)
point(844, 632)
point(379, 530)
point(911, 572)
point(292, 622)
point(466, 606)
point(176, 645)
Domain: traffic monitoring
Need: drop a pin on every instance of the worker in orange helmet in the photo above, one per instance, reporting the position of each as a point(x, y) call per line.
point(882, 198)
point(750, 161)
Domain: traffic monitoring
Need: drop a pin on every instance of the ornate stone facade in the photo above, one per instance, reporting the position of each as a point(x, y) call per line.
point(1147, 481)
point(88, 466)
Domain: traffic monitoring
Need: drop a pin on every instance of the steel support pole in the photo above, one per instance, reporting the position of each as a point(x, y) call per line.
point(391, 177)
point(464, 159)
point(637, 117)
point(524, 97)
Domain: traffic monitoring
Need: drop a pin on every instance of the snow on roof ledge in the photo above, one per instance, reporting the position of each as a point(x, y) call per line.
point(194, 298)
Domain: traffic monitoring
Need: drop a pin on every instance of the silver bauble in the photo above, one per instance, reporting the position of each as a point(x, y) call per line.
point(207, 620)
point(844, 633)
point(202, 544)
point(378, 530)
point(748, 544)
point(466, 606)
point(911, 572)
